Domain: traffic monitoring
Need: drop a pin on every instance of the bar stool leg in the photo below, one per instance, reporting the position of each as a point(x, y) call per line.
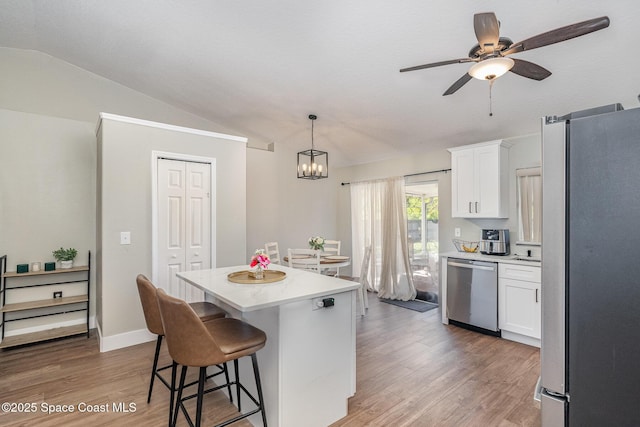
point(256, 373)
point(226, 377)
point(235, 367)
point(203, 375)
point(155, 366)
point(178, 405)
point(174, 367)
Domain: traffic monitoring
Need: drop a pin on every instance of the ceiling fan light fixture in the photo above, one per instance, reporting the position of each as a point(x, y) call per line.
point(491, 68)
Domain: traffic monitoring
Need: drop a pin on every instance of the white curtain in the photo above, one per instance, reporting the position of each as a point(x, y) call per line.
point(379, 219)
point(530, 204)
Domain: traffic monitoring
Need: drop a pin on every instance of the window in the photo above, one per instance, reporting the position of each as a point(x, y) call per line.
point(529, 187)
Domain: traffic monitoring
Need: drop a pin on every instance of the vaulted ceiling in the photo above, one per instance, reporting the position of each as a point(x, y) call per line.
point(261, 67)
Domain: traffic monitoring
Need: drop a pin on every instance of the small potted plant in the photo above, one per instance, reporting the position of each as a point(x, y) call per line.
point(65, 257)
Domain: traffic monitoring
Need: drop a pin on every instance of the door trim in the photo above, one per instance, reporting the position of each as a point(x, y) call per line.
point(155, 156)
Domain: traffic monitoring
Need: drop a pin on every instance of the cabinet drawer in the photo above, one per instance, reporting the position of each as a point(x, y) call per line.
point(519, 272)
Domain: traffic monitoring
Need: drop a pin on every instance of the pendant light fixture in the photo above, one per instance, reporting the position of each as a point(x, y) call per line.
point(313, 164)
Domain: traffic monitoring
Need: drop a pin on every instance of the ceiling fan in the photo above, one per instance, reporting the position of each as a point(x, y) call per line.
point(490, 54)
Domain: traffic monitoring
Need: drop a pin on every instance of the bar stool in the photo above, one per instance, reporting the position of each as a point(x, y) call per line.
point(194, 343)
point(205, 311)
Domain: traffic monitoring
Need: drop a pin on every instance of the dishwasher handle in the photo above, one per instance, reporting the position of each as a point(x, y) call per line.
point(472, 266)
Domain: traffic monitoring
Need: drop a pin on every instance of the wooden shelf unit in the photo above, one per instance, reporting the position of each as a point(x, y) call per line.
point(62, 305)
point(49, 334)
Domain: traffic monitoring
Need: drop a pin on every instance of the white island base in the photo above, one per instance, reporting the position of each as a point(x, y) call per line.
point(307, 366)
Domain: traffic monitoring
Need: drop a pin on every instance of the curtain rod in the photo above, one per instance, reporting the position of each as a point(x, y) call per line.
point(411, 174)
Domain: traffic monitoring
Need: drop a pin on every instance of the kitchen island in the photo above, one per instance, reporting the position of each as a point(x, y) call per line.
point(307, 366)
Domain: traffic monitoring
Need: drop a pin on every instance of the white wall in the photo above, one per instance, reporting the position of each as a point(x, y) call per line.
point(284, 208)
point(125, 164)
point(48, 115)
point(47, 184)
point(49, 110)
point(47, 181)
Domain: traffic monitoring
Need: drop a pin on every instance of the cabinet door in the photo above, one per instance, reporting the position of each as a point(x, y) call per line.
point(488, 171)
point(519, 307)
point(463, 184)
point(480, 180)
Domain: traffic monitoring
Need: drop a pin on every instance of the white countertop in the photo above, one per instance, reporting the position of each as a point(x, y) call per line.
point(298, 285)
point(508, 259)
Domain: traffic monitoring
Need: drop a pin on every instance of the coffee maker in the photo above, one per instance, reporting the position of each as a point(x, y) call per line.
point(494, 242)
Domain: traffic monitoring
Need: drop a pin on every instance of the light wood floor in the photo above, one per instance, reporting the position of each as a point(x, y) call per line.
point(411, 371)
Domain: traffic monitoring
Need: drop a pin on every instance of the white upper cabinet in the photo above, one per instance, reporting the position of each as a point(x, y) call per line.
point(480, 180)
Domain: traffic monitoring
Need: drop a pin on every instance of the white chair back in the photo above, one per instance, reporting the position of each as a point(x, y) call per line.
point(332, 247)
point(304, 259)
point(273, 252)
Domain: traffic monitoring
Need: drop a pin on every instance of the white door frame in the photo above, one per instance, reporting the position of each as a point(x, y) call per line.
point(155, 156)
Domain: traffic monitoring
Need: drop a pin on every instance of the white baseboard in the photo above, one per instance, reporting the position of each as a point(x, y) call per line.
point(126, 339)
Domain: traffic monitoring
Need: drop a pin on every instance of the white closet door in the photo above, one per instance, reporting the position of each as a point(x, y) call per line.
point(184, 224)
point(198, 223)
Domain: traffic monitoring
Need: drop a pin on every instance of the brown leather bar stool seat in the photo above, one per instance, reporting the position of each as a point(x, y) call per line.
point(205, 311)
point(194, 343)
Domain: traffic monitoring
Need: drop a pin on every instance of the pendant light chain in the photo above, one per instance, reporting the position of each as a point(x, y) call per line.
point(312, 120)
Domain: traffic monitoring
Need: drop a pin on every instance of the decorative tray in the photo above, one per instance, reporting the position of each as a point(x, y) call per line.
point(243, 277)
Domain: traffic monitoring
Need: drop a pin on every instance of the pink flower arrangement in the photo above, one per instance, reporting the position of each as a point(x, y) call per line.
point(260, 258)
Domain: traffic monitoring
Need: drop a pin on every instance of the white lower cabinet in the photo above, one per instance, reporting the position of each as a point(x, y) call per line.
point(519, 303)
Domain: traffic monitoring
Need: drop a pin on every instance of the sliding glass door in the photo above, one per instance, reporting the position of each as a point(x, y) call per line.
point(422, 230)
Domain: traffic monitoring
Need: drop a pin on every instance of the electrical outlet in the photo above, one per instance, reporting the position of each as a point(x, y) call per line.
point(456, 231)
point(125, 237)
point(57, 294)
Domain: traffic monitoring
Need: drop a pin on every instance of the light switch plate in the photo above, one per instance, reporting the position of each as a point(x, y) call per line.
point(125, 237)
point(456, 231)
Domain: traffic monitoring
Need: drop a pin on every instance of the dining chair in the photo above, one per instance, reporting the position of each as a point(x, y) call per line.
point(194, 343)
point(273, 252)
point(364, 281)
point(304, 259)
point(332, 247)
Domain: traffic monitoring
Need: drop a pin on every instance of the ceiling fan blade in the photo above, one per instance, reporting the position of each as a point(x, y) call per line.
point(437, 64)
point(458, 84)
point(529, 70)
point(487, 30)
point(559, 35)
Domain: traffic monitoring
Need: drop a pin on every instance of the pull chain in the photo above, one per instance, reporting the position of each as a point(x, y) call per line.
point(490, 98)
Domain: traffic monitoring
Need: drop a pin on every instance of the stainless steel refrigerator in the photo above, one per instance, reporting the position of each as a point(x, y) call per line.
point(590, 353)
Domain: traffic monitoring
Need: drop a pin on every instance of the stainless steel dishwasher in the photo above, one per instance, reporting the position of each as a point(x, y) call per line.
point(472, 294)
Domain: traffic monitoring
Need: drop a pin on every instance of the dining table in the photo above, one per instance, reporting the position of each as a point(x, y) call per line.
point(328, 261)
point(308, 365)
